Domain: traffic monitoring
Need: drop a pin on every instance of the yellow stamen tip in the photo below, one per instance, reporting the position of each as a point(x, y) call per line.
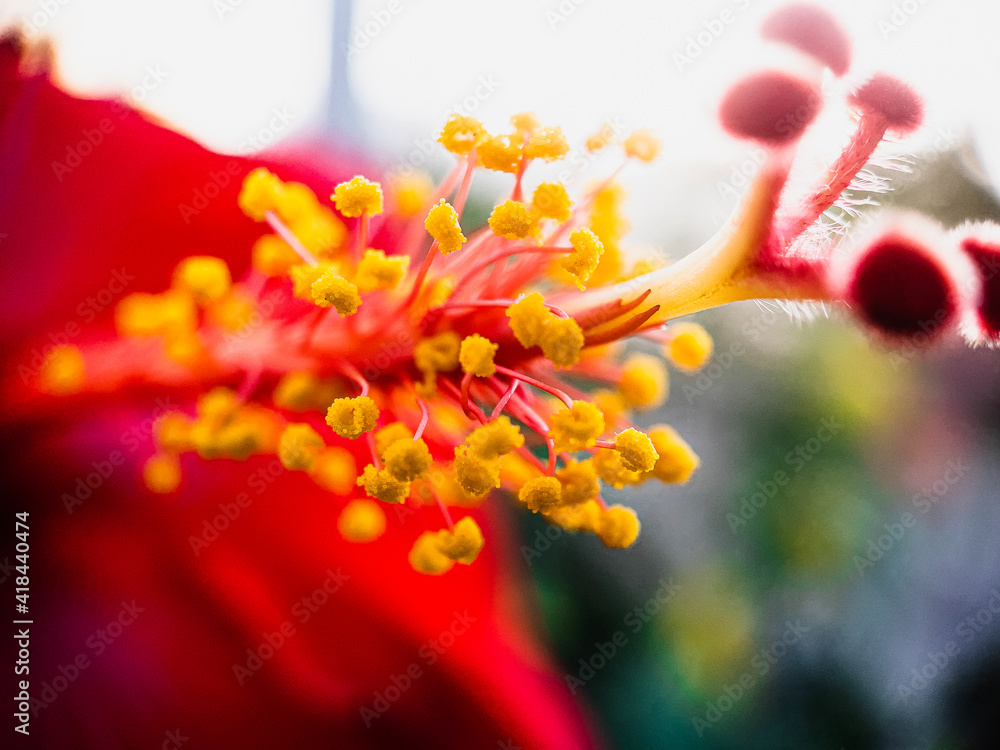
point(442, 224)
point(63, 372)
point(358, 196)
point(426, 557)
point(351, 417)
point(562, 341)
point(548, 144)
point(162, 474)
point(299, 446)
point(618, 527)
point(689, 347)
point(460, 134)
point(378, 271)
point(643, 145)
point(528, 317)
point(643, 382)
point(586, 255)
point(576, 428)
point(513, 220)
point(383, 486)
point(475, 474)
point(407, 460)
point(541, 494)
point(463, 543)
point(361, 521)
point(261, 192)
point(206, 278)
point(551, 201)
point(476, 355)
point(677, 461)
point(636, 450)
point(333, 289)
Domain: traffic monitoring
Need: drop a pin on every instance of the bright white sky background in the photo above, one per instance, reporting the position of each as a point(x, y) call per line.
point(226, 65)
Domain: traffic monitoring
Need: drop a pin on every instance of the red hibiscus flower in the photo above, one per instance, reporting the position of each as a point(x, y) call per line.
point(235, 614)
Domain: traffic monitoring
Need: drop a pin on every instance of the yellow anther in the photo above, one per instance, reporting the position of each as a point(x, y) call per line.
point(272, 256)
point(689, 346)
point(528, 317)
point(172, 432)
point(63, 372)
point(302, 391)
point(600, 140)
point(501, 153)
point(162, 473)
point(460, 134)
point(142, 314)
point(495, 439)
point(475, 474)
point(677, 461)
point(513, 220)
point(205, 277)
point(184, 347)
point(335, 470)
point(643, 382)
point(541, 494)
point(408, 460)
point(437, 353)
point(611, 470)
point(233, 312)
point(377, 271)
point(618, 527)
point(304, 276)
point(548, 144)
point(562, 341)
point(333, 289)
point(551, 201)
point(388, 435)
point(606, 217)
point(320, 231)
point(383, 486)
point(350, 417)
point(462, 543)
point(515, 470)
point(611, 404)
point(358, 196)
point(636, 450)
point(442, 224)
point(476, 355)
point(576, 428)
point(426, 557)
point(525, 122)
point(239, 440)
point(295, 201)
point(410, 193)
point(299, 447)
point(642, 145)
point(583, 517)
point(579, 482)
point(261, 192)
point(583, 261)
point(217, 406)
point(361, 521)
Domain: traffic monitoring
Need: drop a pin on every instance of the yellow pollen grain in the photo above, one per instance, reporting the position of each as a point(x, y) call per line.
point(500, 153)
point(272, 256)
point(586, 255)
point(63, 372)
point(162, 474)
point(442, 224)
point(636, 450)
point(476, 355)
point(426, 557)
point(206, 278)
point(548, 144)
point(335, 470)
point(408, 460)
point(618, 527)
point(576, 428)
point(513, 220)
point(463, 543)
point(351, 417)
point(551, 201)
point(562, 341)
point(299, 446)
point(643, 382)
point(528, 317)
point(461, 134)
point(382, 485)
point(261, 192)
point(677, 460)
point(361, 521)
point(643, 145)
point(689, 346)
point(358, 196)
point(378, 271)
point(541, 494)
point(331, 289)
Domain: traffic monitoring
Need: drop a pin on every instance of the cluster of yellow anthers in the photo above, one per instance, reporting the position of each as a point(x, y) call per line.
point(469, 340)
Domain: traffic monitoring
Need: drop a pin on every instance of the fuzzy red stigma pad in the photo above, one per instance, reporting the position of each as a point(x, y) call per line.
point(770, 106)
point(812, 30)
point(893, 100)
point(986, 258)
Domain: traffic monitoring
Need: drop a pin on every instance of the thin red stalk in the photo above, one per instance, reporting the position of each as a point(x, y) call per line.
point(443, 508)
point(288, 236)
point(498, 409)
point(424, 416)
point(362, 238)
point(351, 372)
point(605, 444)
point(473, 411)
point(538, 384)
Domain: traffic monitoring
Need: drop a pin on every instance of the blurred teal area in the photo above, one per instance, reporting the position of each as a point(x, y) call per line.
point(829, 577)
